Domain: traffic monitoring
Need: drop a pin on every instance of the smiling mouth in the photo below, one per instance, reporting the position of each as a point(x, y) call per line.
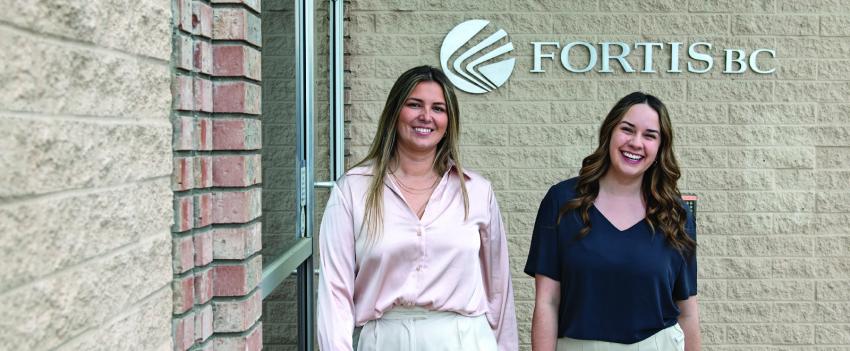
point(423, 131)
point(632, 157)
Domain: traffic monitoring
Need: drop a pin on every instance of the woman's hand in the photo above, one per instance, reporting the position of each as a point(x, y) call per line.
point(544, 324)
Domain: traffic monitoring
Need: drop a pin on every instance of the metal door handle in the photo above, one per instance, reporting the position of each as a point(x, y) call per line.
point(336, 141)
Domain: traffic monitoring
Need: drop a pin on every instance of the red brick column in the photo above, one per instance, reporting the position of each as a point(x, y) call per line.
point(217, 174)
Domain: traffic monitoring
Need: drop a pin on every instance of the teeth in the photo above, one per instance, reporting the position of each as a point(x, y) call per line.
point(632, 156)
point(422, 130)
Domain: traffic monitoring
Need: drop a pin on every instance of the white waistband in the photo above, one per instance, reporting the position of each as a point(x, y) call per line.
point(415, 312)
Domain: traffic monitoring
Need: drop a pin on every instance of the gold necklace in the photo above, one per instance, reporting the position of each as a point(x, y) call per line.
point(420, 211)
point(412, 189)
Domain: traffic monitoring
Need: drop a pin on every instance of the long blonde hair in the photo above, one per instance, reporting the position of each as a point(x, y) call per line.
point(383, 148)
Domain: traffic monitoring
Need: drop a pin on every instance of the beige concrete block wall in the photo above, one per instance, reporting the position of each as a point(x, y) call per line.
point(767, 154)
point(85, 164)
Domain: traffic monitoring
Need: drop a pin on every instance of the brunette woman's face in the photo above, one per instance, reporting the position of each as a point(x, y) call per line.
point(634, 142)
point(423, 119)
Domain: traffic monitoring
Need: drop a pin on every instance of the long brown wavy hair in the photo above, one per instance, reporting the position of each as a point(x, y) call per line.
point(383, 149)
point(659, 190)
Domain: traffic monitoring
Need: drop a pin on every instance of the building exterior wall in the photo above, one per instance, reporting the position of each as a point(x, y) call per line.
point(130, 158)
point(764, 153)
point(85, 164)
point(216, 175)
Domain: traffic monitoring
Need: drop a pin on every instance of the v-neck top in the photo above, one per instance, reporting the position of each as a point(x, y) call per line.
point(616, 285)
point(440, 262)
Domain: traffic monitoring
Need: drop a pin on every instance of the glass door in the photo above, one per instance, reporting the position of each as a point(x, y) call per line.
point(302, 156)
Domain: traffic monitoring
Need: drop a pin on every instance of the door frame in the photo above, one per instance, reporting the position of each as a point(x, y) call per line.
point(299, 258)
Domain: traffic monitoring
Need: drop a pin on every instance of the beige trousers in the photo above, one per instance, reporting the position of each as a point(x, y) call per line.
point(668, 339)
point(418, 329)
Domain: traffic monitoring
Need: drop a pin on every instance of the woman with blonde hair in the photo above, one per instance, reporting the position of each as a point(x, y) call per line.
point(412, 245)
point(613, 250)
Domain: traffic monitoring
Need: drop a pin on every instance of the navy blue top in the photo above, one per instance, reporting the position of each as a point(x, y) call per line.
point(616, 286)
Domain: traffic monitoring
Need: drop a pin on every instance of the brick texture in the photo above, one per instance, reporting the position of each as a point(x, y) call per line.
point(237, 279)
point(87, 167)
point(86, 174)
point(237, 97)
point(253, 341)
point(235, 171)
point(236, 23)
point(765, 153)
point(236, 134)
point(236, 60)
point(212, 187)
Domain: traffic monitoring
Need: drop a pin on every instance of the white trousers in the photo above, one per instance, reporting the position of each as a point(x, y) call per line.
point(668, 339)
point(418, 329)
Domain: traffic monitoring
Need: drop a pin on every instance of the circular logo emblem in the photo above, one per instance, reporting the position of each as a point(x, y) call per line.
point(473, 69)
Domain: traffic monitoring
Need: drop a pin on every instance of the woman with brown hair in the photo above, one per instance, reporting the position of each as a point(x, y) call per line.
point(613, 251)
point(412, 245)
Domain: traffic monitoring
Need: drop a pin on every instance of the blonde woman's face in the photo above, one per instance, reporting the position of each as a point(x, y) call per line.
point(423, 119)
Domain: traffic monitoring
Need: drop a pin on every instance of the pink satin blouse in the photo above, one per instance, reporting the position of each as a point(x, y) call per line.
point(440, 262)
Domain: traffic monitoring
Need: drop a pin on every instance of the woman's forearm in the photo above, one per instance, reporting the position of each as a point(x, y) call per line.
point(690, 325)
point(544, 325)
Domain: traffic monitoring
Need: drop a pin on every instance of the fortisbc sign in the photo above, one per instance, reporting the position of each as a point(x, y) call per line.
point(483, 64)
point(735, 60)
